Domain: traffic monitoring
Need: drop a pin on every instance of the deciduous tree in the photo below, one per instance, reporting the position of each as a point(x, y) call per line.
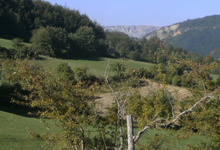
point(72, 107)
point(50, 41)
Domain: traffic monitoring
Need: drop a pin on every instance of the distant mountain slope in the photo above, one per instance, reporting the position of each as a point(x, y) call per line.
point(200, 35)
point(165, 32)
point(133, 31)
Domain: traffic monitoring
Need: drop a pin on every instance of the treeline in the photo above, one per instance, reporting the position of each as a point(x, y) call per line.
point(56, 27)
point(20, 17)
point(153, 50)
point(206, 22)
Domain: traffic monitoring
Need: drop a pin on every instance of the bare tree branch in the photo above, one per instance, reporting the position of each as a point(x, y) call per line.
point(76, 147)
point(139, 134)
point(106, 78)
point(203, 84)
point(156, 115)
point(191, 108)
point(197, 103)
point(103, 138)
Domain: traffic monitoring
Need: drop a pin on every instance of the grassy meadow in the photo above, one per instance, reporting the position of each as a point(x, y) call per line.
point(96, 65)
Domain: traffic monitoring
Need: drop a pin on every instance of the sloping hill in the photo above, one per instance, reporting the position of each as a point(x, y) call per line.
point(106, 99)
point(165, 32)
point(133, 31)
point(199, 35)
point(8, 43)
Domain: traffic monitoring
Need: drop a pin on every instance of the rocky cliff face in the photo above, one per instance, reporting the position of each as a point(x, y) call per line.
point(165, 32)
point(133, 31)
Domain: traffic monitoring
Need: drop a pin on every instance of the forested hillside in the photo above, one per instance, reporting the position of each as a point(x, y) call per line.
point(53, 29)
point(198, 35)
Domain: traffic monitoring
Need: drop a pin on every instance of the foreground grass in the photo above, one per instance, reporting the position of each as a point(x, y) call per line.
point(170, 139)
point(14, 131)
point(96, 65)
point(14, 134)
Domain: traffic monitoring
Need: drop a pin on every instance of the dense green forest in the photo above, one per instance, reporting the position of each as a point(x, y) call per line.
point(69, 96)
point(20, 18)
point(199, 35)
point(51, 27)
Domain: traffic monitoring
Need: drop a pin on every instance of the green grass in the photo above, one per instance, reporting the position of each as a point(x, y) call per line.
point(170, 140)
point(214, 77)
point(8, 43)
point(14, 134)
point(5, 43)
point(14, 131)
point(97, 65)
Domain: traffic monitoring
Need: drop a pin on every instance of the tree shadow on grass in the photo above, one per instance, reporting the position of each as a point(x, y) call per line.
point(18, 110)
point(6, 94)
point(7, 106)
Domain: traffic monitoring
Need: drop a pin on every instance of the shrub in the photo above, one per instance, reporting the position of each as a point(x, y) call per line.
point(65, 73)
point(119, 67)
point(80, 73)
point(218, 80)
point(176, 80)
point(134, 55)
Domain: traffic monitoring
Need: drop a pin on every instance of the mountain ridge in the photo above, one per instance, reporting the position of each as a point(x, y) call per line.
point(136, 31)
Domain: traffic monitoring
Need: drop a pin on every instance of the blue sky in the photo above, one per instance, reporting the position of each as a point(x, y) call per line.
point(142, 12)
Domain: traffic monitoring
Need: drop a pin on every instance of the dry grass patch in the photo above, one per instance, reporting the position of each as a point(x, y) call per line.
point(105, 100)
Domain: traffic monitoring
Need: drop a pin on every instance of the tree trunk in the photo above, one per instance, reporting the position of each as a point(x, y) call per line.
point(82, 140)
point(121, 135)
point(130, 133)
